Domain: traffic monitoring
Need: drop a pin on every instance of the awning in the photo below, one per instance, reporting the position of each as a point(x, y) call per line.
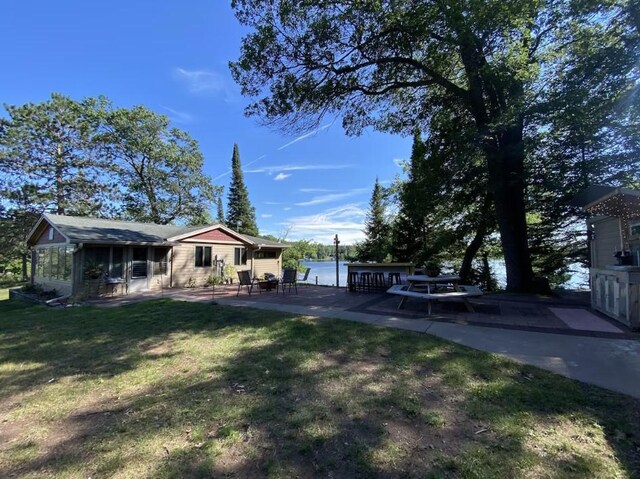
point(619, 203)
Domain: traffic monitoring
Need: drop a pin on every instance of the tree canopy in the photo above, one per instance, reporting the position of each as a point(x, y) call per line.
point(395, 65)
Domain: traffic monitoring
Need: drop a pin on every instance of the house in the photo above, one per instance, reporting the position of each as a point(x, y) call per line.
point(74, 254)
point(614, 244)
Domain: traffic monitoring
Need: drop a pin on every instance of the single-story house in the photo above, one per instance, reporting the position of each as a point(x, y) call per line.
point(614, 243)
point(69, 253)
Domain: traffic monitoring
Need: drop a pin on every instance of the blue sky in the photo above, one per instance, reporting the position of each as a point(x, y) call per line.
point(172, 57)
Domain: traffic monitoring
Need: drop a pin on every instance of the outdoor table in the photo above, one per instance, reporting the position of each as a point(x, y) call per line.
point(430, 281)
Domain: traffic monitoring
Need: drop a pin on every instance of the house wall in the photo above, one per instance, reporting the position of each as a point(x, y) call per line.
point(270, 265)
point(606, 240)
point(183, 265)
point(43, 239)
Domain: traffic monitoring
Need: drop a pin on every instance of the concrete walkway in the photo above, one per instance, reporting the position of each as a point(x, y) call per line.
point(610, 363)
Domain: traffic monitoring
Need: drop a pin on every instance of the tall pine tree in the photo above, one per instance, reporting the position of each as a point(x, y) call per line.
point(376, 246)
point(241, 215)
point(220, 218)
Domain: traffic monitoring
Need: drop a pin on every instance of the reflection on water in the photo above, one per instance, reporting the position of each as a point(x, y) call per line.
point(324, 273)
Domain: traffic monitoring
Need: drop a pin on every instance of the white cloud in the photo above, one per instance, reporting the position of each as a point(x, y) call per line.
point(229, 171)
point(272, 203)
point(279, 168)
point(207, 81)
point(282, 176)
point(329, 197)
point(265, 216)
point(347, 221)
point(286, 208)
point(200, 80)
point(313, 190)
point(302, 137)
point(178, 116)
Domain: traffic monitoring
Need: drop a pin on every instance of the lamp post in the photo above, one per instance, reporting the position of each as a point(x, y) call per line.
point(336, 242)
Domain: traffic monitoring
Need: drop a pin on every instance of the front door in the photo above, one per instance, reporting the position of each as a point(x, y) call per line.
point(139, 270)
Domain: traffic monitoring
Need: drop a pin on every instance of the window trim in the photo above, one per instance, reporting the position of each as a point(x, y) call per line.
point(203, 256)
point(240, 253)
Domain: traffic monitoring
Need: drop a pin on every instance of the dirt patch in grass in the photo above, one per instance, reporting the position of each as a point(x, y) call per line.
point(171, 389)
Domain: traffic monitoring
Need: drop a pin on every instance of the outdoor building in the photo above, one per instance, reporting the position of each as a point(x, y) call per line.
point(81, 255)
point(614, 232)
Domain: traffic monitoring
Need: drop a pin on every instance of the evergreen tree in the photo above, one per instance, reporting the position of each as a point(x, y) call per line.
point(241, 216)
point(220, 217)
point(376, 246)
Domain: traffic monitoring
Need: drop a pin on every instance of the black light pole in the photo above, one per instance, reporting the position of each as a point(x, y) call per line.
point(337, 242)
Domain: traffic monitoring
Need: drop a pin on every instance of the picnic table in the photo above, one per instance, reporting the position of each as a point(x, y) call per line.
point(435, 288)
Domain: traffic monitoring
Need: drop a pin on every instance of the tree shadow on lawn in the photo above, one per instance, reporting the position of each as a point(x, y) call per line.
point(267, 394)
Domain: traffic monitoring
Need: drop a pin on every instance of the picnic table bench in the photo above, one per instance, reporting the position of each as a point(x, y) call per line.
point(462, 291)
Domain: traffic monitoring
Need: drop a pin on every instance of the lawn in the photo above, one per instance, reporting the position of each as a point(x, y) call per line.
point(173, 389)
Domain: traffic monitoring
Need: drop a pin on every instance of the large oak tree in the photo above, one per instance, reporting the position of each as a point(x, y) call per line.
point(393, 64)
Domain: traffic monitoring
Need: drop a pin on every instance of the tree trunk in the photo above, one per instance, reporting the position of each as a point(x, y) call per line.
point(505, 158)
point(473, 247)
point(25, 273)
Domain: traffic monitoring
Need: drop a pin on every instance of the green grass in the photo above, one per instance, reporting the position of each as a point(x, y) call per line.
point(173, 389)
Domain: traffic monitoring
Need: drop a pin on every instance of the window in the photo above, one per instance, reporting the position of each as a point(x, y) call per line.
point(50, 234)
point(203, 256)
point(160, 261)
point(117, 256)
point(239, 256)
point(265, 255)
point(54, 263)
point(139, 263)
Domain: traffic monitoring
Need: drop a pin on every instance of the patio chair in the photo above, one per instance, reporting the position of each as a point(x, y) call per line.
point(289, 277)
point(244, 279)
point(305, 277)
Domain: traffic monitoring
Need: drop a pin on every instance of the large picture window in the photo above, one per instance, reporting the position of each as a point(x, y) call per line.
point(240, 256)
point(203, 257)
point(54, 263)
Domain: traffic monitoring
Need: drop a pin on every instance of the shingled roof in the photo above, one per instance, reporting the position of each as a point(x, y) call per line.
point(83, 229)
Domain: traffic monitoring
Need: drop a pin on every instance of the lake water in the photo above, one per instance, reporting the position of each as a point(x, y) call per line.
point(324, 273)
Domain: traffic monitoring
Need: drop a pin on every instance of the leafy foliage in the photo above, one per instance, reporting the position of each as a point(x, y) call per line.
point(160, 168)
point(490, 66)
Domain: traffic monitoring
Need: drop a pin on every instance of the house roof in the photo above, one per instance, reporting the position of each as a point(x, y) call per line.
point(83, 229)
point(256, 240)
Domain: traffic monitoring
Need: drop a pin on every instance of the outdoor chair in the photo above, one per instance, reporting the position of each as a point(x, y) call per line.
point(244, 279)
point(305, 277)
point(289, 277)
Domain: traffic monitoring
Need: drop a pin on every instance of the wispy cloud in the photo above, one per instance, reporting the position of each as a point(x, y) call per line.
point(313, 190)
point(207, 81)
point(272, 203)
point(286, 208)
point(280, 168)
point(178, 116)
point(200, 80)
point(229, 170)
point(330, 197)
point(347, 221)
point(282, 176)
point(306, 135)
point(265, 216)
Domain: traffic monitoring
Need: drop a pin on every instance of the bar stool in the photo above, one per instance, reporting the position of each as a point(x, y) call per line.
point(394, 278)
point(378, 281)
point(365, 281)
point(353, 281)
